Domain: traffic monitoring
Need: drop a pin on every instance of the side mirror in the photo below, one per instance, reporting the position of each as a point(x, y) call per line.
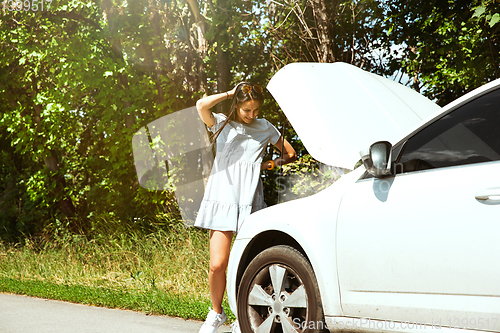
point(377, 160)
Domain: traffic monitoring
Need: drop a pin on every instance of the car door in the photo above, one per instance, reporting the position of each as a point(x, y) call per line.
point(423, 245)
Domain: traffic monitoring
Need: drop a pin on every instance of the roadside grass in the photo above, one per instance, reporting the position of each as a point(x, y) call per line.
point(163, 270)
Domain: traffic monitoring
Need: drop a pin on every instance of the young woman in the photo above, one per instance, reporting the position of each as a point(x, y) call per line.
point(234, 188)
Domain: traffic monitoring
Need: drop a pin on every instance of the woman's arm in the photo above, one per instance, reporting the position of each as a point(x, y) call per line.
point(289, 154)
point(204, 104)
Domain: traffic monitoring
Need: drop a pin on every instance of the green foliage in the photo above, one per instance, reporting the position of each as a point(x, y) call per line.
point(78, 80)
point(304, 177)
point(487, 11)
point(70, 104)
point(355, 28)
point(451, 47)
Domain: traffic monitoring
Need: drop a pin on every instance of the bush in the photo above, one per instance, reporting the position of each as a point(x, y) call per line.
point(305, 177)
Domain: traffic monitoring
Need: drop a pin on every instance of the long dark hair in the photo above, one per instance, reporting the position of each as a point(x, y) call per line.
point(238, 98)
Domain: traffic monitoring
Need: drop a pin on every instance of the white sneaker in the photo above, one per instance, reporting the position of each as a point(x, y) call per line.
point(213, 322)
point(235, 327)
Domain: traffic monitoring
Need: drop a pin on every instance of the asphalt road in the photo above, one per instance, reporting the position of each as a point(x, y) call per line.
point(21, 314)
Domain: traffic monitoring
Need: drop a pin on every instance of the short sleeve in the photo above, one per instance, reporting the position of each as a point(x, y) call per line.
point(274, 134)
point(219, 120)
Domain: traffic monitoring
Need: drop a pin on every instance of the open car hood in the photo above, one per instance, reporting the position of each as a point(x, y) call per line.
point(338, 109)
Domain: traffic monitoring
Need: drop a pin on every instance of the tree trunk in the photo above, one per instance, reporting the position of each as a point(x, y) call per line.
point(202, 49)
point(223, 75)
point(324, 49)
point(223, 66)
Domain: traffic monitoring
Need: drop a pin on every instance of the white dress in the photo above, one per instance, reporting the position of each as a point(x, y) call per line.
point(234, 189)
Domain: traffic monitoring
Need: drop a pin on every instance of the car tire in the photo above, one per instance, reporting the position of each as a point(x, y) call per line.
point(295, 308)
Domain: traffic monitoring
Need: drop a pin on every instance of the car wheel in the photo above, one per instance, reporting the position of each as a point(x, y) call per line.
point(279, 293)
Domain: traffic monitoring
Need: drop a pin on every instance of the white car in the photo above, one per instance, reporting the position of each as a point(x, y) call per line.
point(408, 242)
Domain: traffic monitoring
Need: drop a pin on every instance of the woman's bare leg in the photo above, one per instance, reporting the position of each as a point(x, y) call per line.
point(220, 246)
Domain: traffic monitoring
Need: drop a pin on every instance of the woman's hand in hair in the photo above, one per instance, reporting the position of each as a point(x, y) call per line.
point(203, 105)
point(233, 91)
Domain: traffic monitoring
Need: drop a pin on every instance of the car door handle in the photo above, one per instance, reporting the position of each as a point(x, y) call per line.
point(492, 193)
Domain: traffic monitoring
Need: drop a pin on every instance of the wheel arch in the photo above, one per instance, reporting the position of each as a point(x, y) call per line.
point(261, 242)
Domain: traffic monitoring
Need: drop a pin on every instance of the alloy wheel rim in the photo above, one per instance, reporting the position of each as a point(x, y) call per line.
point(277, 300)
